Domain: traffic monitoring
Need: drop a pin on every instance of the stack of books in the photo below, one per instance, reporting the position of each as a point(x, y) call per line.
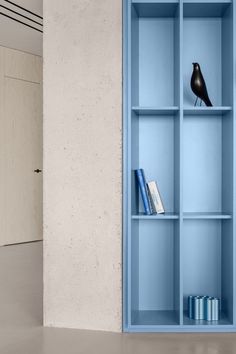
point(150, 194)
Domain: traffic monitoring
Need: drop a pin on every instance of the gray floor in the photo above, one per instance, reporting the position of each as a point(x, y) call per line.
point(21, 330)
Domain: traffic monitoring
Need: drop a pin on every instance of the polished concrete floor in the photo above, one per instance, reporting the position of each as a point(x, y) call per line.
point(21, 330)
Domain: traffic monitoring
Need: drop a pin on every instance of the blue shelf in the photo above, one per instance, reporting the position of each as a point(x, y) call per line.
point(206, 3)
point(155, 8)
point(166, 216)
point(156, 111)
point(207, 111)
point(205, 9)
point(159, 2)
point(207, 216)
point(190, 152)
point(223, 321)
point(150, 318)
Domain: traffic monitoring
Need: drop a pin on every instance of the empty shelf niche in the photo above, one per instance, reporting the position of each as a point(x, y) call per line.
point(155, 293)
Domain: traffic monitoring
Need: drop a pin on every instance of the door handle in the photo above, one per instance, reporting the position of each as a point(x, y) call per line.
point(38, 170)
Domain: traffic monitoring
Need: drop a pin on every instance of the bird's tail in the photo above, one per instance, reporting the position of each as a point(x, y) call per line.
point(208, 102)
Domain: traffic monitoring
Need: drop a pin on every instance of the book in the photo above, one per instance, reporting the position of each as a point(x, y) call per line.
point(152, 207)
point(156, 197)
point(144, 191)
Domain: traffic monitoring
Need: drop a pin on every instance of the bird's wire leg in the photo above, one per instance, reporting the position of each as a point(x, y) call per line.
point(196, 102)
point(201, 103)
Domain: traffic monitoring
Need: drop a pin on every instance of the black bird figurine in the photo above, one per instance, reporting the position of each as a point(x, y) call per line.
point(198, 86)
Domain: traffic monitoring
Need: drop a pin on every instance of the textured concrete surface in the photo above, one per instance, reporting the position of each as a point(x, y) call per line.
point(82, 163)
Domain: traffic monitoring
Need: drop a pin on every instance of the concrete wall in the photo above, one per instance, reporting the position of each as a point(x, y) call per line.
point(82, 163)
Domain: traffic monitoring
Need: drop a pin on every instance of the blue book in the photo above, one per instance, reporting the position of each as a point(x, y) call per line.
point(144, 191)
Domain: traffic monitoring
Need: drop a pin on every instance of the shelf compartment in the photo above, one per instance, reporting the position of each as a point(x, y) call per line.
point(155, 54)
point(207, 251)
point(207, 164)
point(166, 216)
point(207, 39)
point(207, 216)
point(155, 147)
point(156, 111)
point(207, 111)
point(154, 270)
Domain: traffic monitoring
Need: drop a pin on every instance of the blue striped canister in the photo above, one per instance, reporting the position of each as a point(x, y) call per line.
point(197, 307)
point(201, 307)
point(215, 308)
point(190, 306)
point(208, 308)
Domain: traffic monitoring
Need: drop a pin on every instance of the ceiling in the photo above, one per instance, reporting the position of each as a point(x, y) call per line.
point(14, 34)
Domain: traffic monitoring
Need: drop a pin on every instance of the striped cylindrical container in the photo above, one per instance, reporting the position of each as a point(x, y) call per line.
point(197, 307)
point(190, 306)
point(215, 307)
point(208, 308)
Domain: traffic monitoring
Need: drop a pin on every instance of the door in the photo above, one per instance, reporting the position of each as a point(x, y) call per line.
point(20, 147)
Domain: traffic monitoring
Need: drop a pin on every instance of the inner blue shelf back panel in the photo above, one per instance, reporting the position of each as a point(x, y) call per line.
point(202, 164)
point(157, 154)
point(208, 271)
point(202, 269)
point(202, 44)
point(190, 152)
point(156, 265)
point(207, 164)
point(154, 260)
point(156, 62)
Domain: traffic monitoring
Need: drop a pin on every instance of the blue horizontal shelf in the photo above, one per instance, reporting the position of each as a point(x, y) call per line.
point(167, 8)
point(166, 216)
point(181, 328)
point(217, 216)
point(163, 2)
point(155, 110)
point(155, 8)
point(151, 317)
point(196, 111)
point(148, 320)
point(204, 8)
point(223, 321)
point(206, 2)
point(174, 216)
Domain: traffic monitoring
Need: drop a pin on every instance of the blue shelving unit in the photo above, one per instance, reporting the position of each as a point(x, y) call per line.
point(190, 152)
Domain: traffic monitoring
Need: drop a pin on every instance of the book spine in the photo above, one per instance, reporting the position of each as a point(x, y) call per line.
point(152, 206)
point(156, 198)
point(144, 191)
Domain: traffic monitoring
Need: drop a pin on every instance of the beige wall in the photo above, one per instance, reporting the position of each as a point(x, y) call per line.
point(82, 163)
point(16, 36)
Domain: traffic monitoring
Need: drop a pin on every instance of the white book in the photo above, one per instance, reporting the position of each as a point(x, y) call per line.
point(156, 197)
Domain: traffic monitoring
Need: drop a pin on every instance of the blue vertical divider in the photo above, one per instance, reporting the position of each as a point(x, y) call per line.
point(234, 160)
point(190, 152)
point(181, 159)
